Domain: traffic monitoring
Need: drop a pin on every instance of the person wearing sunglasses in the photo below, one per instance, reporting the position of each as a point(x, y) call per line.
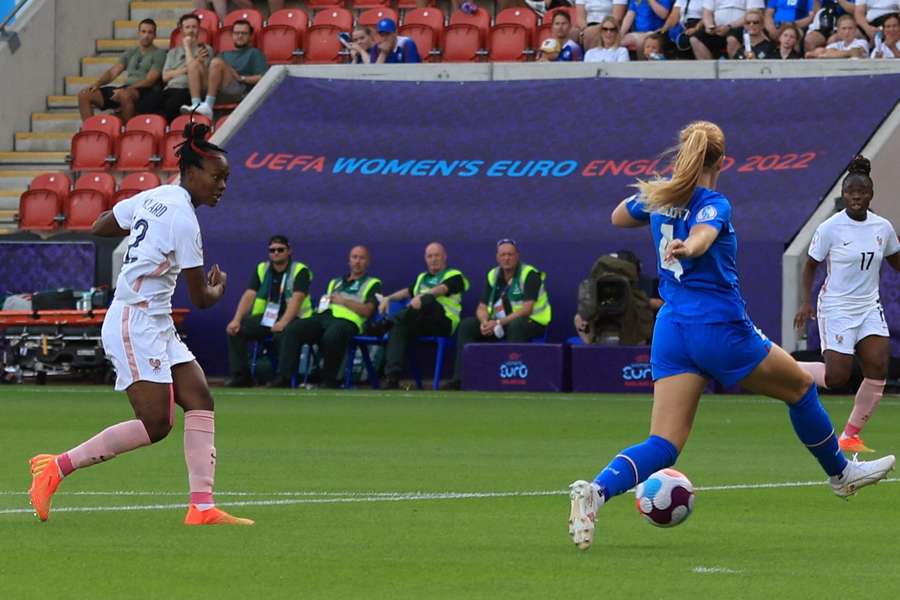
point(608, 48)
point(277, 295)
point(514, 306)
point(760, 45)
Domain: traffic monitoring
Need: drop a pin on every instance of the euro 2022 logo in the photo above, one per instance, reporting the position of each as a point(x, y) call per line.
point(637, 373)
point(514, 371)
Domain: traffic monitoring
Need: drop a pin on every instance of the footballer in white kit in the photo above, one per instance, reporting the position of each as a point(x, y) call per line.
point(138, 333)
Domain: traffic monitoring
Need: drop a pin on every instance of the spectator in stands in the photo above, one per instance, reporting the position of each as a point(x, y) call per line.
point(685, 19)
point(514, 306)
point(653, 47)
point(144, 65)
point(362, 41)
point(871, 14)
point(787, 42)
point(608, 49)
point(346, 306)
point(589, 16)
point(185, 71)
point(392, 48)
point(234, 72)
point(642, 19)
point(822, 29)
point(722, 32)
point(761, 47)
point(277, 295)
point(433, 310)
point(541, 7)
point(796, 12)
point(221, 6)
point(890, 46)
point(847, 44)
point(568, 49)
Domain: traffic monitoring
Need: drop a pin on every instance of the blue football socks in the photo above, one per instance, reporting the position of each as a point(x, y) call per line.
point(635, 464)
point(813, 427)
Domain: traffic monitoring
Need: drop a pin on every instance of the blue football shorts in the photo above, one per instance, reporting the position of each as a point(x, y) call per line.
point(727, 352)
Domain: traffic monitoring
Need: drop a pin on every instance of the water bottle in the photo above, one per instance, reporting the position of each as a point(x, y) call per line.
point(879, 41)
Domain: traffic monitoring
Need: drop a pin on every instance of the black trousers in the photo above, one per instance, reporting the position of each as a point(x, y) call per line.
point(238, 355)
point(332, 335)
point(409, 324)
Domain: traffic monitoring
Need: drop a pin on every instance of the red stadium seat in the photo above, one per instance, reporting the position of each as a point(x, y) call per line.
point(209, 21)
point(55, 182)
point(408, 5)
point(205, 37)
point(221, 121)
point(543, 32)
point(155, 125)
point(548, 17)
point(525, 17)
point(251, 15)
point(279, 43)
point(111, 125)
point(323, 46)
point(124, 194)
point(83, 209)
point(174, 138)
point(372, 5)
point(425, 39)
point(139, 181)
point(371, 17)
point(92, 151)
point(462, 43)
point(509, 42)
point(179, 122)
point(432, 17)
point(38, 210)
point(290, 16)
point(480, 19)
point(138, 151)
point(100, 182)
point(336, 17)
point(323, 4)
point(224, 41)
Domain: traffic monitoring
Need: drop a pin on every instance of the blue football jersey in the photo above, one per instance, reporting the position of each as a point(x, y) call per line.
point(704, 289)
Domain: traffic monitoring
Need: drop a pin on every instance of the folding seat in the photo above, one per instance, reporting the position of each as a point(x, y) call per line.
point(205, 37)
point(293, 17)
point(480, 19)
point(55, 182)
point(336, 17)
point(209, 21)
point(509, 42)
point(425, 39)
point(279, 43)
point(462, 43)
point(155, 125)
point(138, 151)
point(92, 151)
point(141, 181)
point(525, 17)
point(373, 5)
point(38, 210)
point(371, 17)
point(317, 5)
point(83, 209)
point(251, 15)
point(322, 45)
point(101, 182)
point(432, 17)
point(224, 41)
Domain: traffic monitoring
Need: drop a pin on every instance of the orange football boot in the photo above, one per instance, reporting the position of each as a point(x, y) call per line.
point(853, 444)
point(45, 478)
point(212, 516)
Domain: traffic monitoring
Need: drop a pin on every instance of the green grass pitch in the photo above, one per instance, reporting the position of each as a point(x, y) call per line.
point(364, 494)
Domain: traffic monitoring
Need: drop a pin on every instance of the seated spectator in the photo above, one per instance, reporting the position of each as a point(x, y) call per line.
point(608, 50)
point(761, 47)
point(221, 6)
point(589, 16)
point(722, 32)
point(278, 294)
point(787, 42)
point(514, 306)
point(343, 311)
point(361, 42)
point(871, 14)
point(847, 44)
point(144, 65)
point(890, 45)
point(822, 29)
point(392, 48)
point(185, 71)
point(642, 19)
point(434, 309)
point(685, 19)
point(799, 13)
point(233, 73)
point(566, 49)
point(653, 47)
point(541, 7)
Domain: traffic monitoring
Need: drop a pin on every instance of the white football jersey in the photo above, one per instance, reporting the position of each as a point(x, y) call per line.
point(853, 251)
point(165, 238)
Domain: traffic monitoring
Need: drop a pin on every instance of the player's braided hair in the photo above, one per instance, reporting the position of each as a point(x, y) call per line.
point(195, 148)
point(860, 166)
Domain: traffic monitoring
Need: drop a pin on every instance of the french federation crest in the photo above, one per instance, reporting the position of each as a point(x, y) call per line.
point(156, 364)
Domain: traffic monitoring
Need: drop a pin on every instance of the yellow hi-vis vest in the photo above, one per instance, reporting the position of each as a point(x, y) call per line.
point(362, 290)
point(540, 313)
point(263, 270)
point(452, 304)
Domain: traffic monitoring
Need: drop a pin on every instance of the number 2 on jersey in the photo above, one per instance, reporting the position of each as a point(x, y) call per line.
point(140, 228)
point(668, 233)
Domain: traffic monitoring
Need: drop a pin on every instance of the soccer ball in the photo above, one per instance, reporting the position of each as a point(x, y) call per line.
point(666, 498)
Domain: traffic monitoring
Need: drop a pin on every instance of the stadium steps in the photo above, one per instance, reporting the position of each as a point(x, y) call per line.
point(52, 141)
point(17, 179)
point(76, 83)
point(47, 122)
point(95, 66)
point(47, 161)
point(160, 11)
point(127, 30)
point(107, 46)
point(61, 103)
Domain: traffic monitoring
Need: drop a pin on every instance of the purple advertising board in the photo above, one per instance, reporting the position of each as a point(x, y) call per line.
point(619, 369)
point(395, 165)
point(36, 266)
point(514, 367)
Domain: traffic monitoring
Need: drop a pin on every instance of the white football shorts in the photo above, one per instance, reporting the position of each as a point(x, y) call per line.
point(840, 332)
point(141, 347)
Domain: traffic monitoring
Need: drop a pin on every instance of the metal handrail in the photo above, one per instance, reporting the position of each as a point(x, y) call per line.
point(13, 14)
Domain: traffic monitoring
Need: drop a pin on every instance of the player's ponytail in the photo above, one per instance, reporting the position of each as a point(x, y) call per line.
point(701, 146)
point(860, 166)
point(195, 148)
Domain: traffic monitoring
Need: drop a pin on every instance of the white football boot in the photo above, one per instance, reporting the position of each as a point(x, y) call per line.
point(858, 474)
point(586, 501)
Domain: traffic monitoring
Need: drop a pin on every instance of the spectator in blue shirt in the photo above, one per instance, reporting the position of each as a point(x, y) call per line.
point(643, 18)
point(566, 49)
point(798, 12)
point(392, 48)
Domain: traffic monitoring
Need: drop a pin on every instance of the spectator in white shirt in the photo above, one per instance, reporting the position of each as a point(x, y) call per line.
point(817, 35)
point(722, 32)
point(589, 14)
point(608, 50)
point(847, 46)
point(890, 46)
point(870, 14)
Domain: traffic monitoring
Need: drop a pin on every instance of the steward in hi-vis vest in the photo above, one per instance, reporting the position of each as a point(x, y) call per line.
point(514, 306)
point(277, 294)
point(434, 309)
point(343, 310)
